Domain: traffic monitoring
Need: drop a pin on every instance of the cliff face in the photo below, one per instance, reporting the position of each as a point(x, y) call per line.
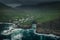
point(49, 27)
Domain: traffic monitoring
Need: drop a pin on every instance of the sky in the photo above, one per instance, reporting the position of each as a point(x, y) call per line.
point(15, 3)
point(25, 1)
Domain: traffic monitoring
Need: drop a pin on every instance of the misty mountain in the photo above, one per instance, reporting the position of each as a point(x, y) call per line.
point(3, 6)
point(55, 4)
point(49, 3)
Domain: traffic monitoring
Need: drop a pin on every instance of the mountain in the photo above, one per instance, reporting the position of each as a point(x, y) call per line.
point(45, 4)
point(54, 4)
point(3, 6)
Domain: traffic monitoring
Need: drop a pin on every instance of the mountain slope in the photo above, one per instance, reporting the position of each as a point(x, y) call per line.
point(55, 4)
point(2, 6)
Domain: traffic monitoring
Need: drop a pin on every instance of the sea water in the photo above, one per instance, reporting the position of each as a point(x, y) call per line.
point(27, 34)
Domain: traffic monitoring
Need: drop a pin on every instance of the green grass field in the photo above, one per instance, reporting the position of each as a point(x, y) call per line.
point(40, 14)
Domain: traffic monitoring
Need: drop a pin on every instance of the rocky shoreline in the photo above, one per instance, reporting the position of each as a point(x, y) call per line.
point(51, 27)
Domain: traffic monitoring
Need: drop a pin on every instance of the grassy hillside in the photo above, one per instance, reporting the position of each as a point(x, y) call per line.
point(41, 14)
point(52, 27)
point(2, 7)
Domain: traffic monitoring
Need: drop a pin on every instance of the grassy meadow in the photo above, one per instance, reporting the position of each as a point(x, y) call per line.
point(40, 15)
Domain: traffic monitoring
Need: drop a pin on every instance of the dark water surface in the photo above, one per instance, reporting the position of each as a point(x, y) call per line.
point(27, 35)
